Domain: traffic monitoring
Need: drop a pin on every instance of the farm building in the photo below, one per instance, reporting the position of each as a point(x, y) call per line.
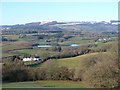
point(31, 59)
point(104, 39)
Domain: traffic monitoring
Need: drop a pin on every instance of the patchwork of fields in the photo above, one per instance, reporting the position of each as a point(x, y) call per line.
point(63, 56)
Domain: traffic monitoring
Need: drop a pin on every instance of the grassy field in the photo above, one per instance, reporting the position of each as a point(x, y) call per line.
point(78, 40)
point(15, 45)
point(74, 62)
point(9, 48)
point(44, 84)
point(22, 45)
point(101, 45)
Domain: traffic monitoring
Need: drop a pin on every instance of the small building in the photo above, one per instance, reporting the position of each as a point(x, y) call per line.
point(104, 39)
point(31, 59)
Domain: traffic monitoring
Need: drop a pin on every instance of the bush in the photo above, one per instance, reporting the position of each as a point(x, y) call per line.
point(16, 71)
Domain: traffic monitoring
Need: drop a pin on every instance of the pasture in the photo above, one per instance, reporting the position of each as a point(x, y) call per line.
point(73, 62)
point(22, 44)
point(44, 84)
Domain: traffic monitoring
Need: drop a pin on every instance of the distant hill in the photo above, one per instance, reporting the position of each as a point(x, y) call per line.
point(60, 26)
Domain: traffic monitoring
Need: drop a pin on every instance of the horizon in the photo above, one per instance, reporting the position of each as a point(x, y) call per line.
point(52, 21)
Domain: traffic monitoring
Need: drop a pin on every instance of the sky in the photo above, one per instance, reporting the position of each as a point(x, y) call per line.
point(59, 0)
point(26, 12)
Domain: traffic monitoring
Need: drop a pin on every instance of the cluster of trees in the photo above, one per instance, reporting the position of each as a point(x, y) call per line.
point(101, 70)
point(57, 52)
point(16, 71)
point(6, 39)
point(68, 52)
point(55, 48)
point(75, 51)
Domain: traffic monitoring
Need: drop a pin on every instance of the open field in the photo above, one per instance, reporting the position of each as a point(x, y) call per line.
point(103, 45)
point(44, 84)
point(73, 62)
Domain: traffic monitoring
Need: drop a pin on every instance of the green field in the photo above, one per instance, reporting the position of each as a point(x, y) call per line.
point(44, 84)
point(74, 62)
point(22, 46)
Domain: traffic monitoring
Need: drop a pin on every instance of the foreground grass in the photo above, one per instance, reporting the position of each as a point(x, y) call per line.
point(44, 84)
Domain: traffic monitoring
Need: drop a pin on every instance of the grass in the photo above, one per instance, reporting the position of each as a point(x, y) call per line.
point(22, 46)
point(15, 45)
point(61, 84)
point(101, 44)
point(27, 51)
point(29, 63)
point(6, 54)
point(77, 40)
point(74, 62)
point(20, 85)
point(9, 48)
point(44, 84)
point(14, 37)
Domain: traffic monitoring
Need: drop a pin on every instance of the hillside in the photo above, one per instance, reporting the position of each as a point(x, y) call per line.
point(74, 62)
point(34, 27)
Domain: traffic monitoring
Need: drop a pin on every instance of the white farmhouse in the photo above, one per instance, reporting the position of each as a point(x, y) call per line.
point(31, 59)
point(27, 59)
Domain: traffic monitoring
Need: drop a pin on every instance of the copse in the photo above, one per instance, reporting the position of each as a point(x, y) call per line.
point(55, 72)
point(16, 71)
point(13, 71)
point(103, 74)
point(102, 70)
